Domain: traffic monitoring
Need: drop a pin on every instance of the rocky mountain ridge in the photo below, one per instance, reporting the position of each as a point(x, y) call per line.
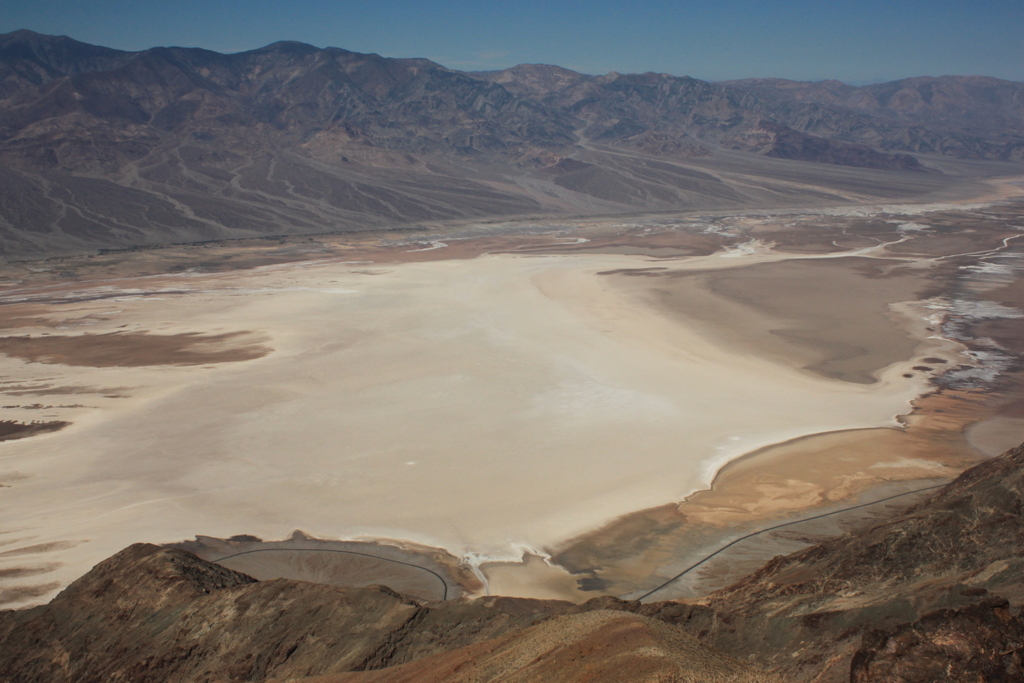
point(934, 593)
point(962, 116)
point(102, 148)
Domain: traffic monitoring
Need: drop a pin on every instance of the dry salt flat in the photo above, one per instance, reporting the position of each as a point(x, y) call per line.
point(489, 406)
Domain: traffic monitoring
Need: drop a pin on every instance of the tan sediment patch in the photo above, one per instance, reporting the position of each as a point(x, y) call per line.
point(813, 234)
point(423, 572)
point(17, 316)
point(533, 578)
point(996, 435)
point(829, 316)
point(820, 469)
point(22, 572)
point(791, 480)
point(15, 323)
point(133, 349)
point(11, 541)
point(951, 232)
point(844, 464)
point(626, 240)
point(39, 548)
point(18, 594)
point(50, 390)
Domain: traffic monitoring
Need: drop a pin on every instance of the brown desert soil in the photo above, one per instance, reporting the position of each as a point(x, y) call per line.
point(133, 349)
point(831, 316)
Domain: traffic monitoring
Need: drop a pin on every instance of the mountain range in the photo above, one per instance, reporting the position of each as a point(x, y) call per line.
point(102, 148)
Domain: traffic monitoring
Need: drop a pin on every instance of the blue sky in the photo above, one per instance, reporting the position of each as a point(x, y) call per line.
point(854, 41)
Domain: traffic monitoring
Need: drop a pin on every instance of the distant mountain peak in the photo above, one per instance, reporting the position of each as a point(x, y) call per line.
point(293, 47)
point(24, 36)
point(533, 80)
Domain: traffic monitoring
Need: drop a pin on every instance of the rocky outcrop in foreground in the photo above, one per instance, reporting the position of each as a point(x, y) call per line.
point(152, 614)
point(916, 583)
point(933, 594)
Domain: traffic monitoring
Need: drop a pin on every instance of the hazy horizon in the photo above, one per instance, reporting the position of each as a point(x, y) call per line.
point(800, 40)
point(323, 47)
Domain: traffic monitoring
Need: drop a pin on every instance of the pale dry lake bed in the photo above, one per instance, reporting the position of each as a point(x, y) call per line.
point(566, 410)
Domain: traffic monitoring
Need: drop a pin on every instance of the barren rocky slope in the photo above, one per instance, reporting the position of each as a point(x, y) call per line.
point(930, 584)
point(102, 148)
point(152, 614)
point(828, 121)
point(935, 593)
point(970, 116)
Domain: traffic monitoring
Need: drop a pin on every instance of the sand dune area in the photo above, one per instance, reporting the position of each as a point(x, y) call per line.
point(492, 405)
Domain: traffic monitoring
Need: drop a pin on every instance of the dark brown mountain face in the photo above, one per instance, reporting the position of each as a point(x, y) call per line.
point(931, 584)
point(933, 594)
point(28, 59)
point(964, 116)
point(284, 93)
point(159, 615)
point(775, 140)
point(103, 148)
point(961, 116)
point(983, 642)
point(153, 614)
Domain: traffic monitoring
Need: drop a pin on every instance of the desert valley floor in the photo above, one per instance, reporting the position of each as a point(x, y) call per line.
point(549, 409)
